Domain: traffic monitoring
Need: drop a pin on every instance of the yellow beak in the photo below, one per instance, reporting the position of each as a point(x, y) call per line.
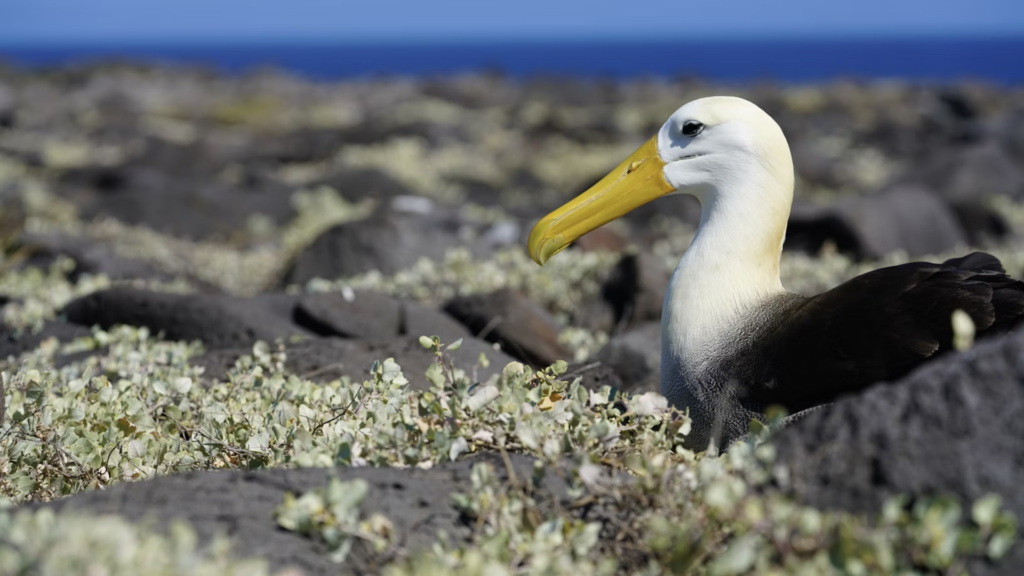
point(635, 182)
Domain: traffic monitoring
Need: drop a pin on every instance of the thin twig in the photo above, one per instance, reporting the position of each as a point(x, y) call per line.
point(222, 445)
point(323, 369)
point(512, 478)
point(342, 411)
point(106, 461)
point(490, 326)
point(580, 370)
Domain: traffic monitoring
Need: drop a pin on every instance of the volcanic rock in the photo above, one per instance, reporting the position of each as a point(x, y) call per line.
point(955, 426)
point(14, 344)
point(969, 172)
point(356, 185)
point(906, 218)
point(218, 321)
point(422, 321)
point(367, 315)
point(394, 238)
point(90, 256)
point(174, 190)
point(327, 359)
point(417, 502)
point(522, 328)
point(360, 314)
point(980, 222)
point(636, 289)
point(635, 357)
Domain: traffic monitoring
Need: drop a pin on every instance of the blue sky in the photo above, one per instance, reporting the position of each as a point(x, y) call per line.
point(105, 21)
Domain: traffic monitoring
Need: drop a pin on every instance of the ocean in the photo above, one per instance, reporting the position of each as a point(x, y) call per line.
point(996, 60)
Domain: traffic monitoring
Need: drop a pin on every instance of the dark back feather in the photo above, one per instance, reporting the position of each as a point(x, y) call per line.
point(976, 261)
point(881, 325)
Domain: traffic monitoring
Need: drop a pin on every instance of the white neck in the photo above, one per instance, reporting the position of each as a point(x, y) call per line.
point(731, 266)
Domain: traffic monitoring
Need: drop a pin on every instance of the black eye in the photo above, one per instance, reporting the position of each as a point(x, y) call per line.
point(692, 128)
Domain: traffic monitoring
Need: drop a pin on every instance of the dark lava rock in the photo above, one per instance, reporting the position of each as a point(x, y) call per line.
point(303, 145)
point(479, 191)
point(327, 359)
point(635, 357)
point(14, 344)
point(174, 190)
point(906, 218)
point(421, 321)
point(368, 315)
point(596, 315)
point(636, 289)
point(816, 166)
point(90, 256)
point(8, 107)
point(218, 321)
point(350, 315)
point(964, 173)
point(956, 118)
point(981, 223)
point(954, 426)
point(394, 238)
point(524, 329)
point(1010, 129)
point(241, 504)
point(12, 215)
point(356, 185)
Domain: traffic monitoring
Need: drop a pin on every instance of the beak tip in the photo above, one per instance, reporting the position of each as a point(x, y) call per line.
point(539, 255)
point(540, 243)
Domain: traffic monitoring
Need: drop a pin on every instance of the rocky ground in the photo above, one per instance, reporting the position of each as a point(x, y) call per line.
point(202, 273)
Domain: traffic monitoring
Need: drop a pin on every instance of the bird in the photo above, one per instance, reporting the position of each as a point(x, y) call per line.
point(735, 342)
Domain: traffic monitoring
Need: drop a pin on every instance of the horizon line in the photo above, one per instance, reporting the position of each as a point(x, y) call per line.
point(86, 42)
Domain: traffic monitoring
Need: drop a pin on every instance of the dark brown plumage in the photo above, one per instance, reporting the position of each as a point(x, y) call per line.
point(879, 326)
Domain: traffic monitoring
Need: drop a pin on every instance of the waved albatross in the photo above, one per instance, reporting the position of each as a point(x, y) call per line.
point(734, 341)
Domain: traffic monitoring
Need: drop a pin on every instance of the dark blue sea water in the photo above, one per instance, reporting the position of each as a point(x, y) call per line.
point(999, 60)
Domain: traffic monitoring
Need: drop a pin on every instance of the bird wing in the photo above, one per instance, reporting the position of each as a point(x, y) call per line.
point(881, 325)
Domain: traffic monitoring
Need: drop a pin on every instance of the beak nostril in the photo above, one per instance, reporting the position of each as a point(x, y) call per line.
point(633, 166)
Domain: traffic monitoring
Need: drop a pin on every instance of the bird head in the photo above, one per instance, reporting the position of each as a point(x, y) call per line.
point(707, 148)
